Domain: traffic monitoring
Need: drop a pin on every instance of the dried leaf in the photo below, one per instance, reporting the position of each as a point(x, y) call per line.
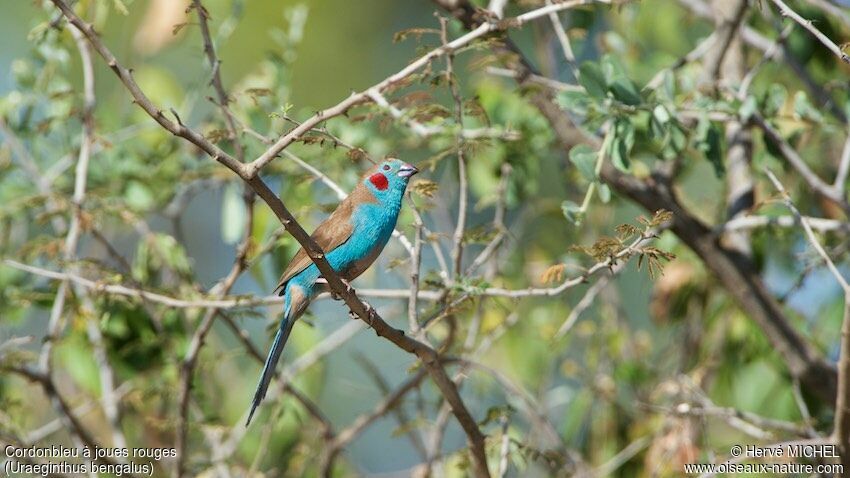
point(217, 135)
point(357, 155)
point(417, 32)
point(177, 27)
point(424, 187)
point(553, 274)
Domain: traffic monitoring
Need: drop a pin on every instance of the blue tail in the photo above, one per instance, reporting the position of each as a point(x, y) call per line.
point(271, 361)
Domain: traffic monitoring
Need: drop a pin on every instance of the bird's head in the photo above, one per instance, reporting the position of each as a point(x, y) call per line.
point(388, 179)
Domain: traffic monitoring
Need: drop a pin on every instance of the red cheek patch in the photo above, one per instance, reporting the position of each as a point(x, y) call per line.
point(379, 180)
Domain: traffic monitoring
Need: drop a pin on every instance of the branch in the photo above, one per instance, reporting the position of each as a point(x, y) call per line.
point(188, 363)
point(364, 312)
point(753, 222)
point(818, 185)
point(462, 189)
point(425, 131)
point(215, 64)
point(564, 40)
point(229, 302)
point(139, 97)
point(66, 414)
point(842, 402)
point(843, 167)
point(735, 272)
point(786, 11)
point(364, 96)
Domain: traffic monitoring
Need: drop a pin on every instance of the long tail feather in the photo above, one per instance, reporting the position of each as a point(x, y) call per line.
point(271, 361)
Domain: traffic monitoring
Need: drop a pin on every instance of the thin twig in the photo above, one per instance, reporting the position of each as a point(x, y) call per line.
point(842, 404)
point(564, 40)
point(786, 11)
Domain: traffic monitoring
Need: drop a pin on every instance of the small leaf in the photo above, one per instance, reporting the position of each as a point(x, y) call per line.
point(177, 27)
point(217, 135)
point(668, 85)
point(621, 146)
point(592, 79)
point(584, 158)
point(357, 155)
point(120, 7)
point(774, 99)
point(426, 188)
point(618, 81)
point(619, 155)
point(708, 142)
point(138, 196)
point(661, 115)
point(747, 109)
point(572, 212)
point(604, 193)
point(553, 274)
point(574, 101)
point(626, 91)
point(804, 109)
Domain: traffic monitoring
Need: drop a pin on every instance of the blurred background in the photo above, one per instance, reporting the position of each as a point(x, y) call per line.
point(161, 216)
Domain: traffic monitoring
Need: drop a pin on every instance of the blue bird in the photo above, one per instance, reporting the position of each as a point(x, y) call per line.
point(352, 238)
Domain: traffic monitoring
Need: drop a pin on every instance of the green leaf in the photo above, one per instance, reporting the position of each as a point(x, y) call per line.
point(233, 215)
point(621, 146)
point(604, 193)
point(592, 79)
point(584, 158)
point(668, 86)
point(619, 155)
point(618, 81)
point(804, 109)
point(709, 143)
point(138, 196)
point(678, 138)
point(173, 254)
point(626, 91)
point(574, 101)
point(747, 109)
point(612, 68)
point(661, 115)
point(120, 7)
point(572, 212)
point(774, 99)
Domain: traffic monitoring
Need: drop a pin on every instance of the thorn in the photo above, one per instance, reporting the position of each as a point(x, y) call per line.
point(179, 121)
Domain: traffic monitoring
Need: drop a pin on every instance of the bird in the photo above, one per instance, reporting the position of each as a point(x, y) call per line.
point(352, 237)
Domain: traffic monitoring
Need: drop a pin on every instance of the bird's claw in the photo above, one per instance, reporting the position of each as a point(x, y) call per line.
point(369, 314)
point(348, 289)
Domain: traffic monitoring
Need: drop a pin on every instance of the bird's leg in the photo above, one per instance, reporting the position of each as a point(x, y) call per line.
point(369, 311)
point(334, 295)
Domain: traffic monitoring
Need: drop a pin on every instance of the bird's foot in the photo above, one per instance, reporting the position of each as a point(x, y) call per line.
point(370, 311)
point(345, 283)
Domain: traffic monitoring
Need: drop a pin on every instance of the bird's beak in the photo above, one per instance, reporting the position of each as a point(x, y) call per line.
point(407, 171)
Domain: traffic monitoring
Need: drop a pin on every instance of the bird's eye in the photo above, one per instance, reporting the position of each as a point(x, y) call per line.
point(386, 167)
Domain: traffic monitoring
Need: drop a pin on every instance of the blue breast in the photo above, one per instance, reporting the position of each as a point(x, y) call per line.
point(373, 227)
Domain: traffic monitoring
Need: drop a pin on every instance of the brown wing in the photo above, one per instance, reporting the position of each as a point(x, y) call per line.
point(330, 234)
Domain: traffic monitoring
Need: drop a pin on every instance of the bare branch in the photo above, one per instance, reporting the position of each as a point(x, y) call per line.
point(842, 404)
point(786, 11)
point(790, 154)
